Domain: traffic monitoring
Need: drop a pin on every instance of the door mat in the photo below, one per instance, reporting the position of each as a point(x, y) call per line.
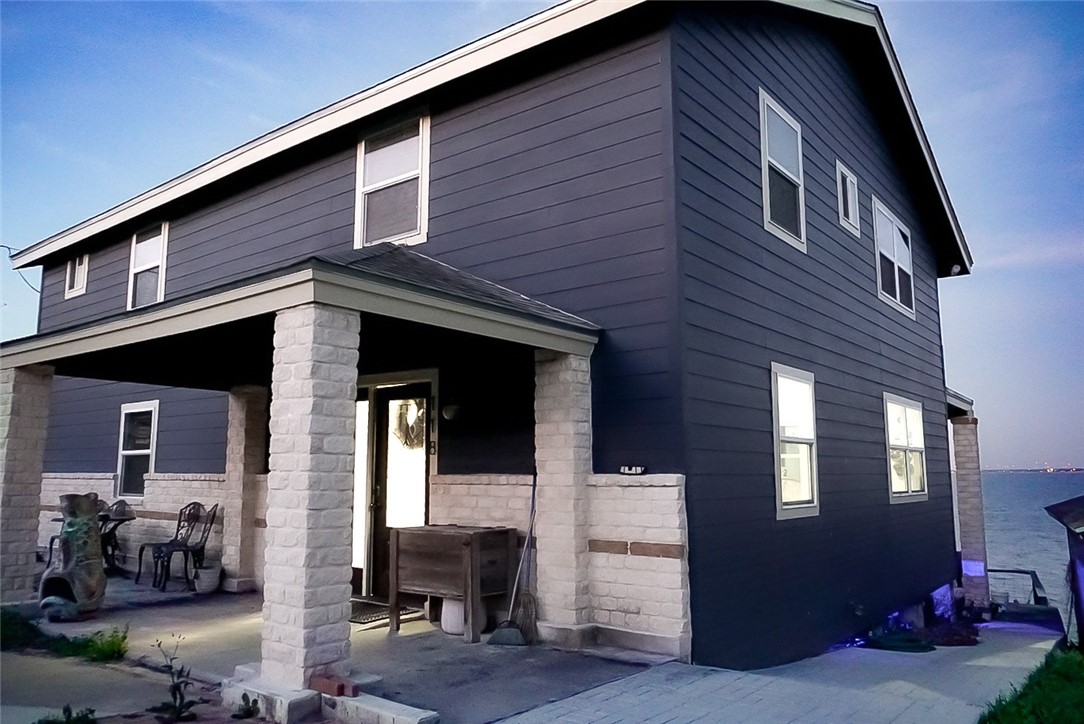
point(374, 614)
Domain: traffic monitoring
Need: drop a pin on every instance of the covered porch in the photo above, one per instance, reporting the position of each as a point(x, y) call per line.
point(306, 353)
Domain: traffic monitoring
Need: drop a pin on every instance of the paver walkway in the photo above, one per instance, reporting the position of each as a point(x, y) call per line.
point(864, 686)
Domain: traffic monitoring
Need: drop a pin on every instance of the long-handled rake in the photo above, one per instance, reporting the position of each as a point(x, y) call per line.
point(518, 628)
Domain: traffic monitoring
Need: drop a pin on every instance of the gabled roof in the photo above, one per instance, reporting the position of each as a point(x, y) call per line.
point(529, 33)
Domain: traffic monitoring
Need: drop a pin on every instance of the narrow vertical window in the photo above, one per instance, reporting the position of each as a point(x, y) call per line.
point(146, 275)
point(847, 190)
point(75, 278)
point(138, 440)
point(782, 179)
point(894, 276)
point(795, 430)
point(906, 449)
point(393, 186)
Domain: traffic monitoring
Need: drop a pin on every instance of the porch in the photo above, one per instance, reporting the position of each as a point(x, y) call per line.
point(505, 416)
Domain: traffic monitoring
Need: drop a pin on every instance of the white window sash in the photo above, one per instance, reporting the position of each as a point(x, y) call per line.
point(766, 162)
point(802, 509)
point(75, 276)
point(416, 235)
point(892, 250)
point(912, 493)
point(126, 410)
point(159, 264)
point(847, 185)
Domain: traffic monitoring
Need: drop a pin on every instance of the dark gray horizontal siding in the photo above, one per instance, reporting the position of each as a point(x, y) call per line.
point(84, 427)
point(555, 187)
point(750, 299)
point(106, 292)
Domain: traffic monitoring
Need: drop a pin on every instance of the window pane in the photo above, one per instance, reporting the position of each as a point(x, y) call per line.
point(906, 296)
point(852, 198)
point(903, 249)
point(391, 211)
point(914, 428)
point(148, 251)
point(897, 466)
point(796, 474)
point(137, 430)
point(783, 146)
point(897, 423)
point(888, 276)
point(146, 288)
point(885, 230)
point(795, 408)
point(391, 154)
point(132, 470)
point(783, 202)
point(918, 472)
point(845, 197)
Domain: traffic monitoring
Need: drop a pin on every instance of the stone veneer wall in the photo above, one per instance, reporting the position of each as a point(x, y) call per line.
point(638, 571)
point(259, 531)
point(156, 511)
point(484, 500)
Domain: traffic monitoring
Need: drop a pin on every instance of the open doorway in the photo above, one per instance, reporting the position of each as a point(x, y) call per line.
point(391, 472)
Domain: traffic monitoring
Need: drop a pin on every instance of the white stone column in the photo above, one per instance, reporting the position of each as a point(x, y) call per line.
point(24, 422)
point(306, 627)
point(563, 462)
point(965, 437)
point(246, 454)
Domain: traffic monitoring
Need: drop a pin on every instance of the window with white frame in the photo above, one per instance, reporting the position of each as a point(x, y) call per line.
point(75, 278)
point(894, 277)
point(906, 448)
point(138, 442)
point(147, 266)
point(794, 420)
point(392, 196)
point(782, 180)
point(847, 191)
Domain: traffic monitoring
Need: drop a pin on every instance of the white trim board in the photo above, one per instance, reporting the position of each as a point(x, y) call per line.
point(290, 290)
point(524, 35)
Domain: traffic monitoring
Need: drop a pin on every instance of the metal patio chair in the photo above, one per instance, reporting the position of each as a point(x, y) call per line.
point(189, 549)
point(188, 519)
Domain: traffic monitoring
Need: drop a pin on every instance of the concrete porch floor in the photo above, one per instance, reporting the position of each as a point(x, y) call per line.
point(421, 666)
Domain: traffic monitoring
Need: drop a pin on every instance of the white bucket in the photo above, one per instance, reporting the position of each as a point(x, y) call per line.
point(452, 616)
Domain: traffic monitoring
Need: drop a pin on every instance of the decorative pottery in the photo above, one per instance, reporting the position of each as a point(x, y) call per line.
point(74, 585)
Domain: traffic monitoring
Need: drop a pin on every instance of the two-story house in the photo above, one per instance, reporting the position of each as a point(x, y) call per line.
point(668, 270)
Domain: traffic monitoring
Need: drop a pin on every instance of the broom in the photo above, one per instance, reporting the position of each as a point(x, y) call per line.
point(519, 626)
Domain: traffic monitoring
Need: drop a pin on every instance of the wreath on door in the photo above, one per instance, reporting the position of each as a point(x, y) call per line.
point(411, 432)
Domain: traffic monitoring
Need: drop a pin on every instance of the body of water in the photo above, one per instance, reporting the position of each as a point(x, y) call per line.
point(1020, 534)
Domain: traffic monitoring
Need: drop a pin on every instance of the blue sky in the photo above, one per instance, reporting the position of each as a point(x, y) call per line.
point(101, 101)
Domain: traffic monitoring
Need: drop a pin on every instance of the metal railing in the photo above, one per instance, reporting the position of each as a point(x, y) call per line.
point(1008, 585)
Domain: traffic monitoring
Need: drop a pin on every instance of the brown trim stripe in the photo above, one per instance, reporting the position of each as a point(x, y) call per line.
point(636, 548)
point(140, 514)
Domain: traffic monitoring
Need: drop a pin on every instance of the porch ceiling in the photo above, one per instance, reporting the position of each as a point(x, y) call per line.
point(228, 327)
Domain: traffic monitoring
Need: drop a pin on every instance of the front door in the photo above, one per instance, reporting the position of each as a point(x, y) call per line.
point(399, 496)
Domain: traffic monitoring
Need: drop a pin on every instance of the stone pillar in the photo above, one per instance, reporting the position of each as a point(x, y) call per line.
point(24, 422)
point(246, 455)
point(965, 437)
point(306, 628)
point(563, 462)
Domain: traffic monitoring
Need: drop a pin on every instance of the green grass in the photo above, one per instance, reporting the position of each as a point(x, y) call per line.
point(1052, 694)
point(18, 633)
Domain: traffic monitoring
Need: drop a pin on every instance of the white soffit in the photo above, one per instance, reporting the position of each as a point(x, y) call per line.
point(524, 35)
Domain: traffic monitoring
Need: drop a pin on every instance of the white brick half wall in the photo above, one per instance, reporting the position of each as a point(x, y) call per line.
point(484, 500)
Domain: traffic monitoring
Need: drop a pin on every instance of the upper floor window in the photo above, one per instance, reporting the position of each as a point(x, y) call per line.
point(138, 443)
point(75, 278)
point(906, 448)
point(893, 259)
point(147, 268)
point(782, 180)
point(795, 429)
point(392, 197)
point(847, 190)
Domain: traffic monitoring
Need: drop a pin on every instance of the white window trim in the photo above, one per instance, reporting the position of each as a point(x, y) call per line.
point(160, 265)
point(72, 272)
point(412, 237)
point(892, 301)
point(126, 409)
point(905, 497)
point(799, 510)
point(798, 242)
point(843, 175)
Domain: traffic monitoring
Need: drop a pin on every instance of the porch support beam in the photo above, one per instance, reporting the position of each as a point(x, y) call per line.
point(24, 421)
point(246, 457)
point(965, 442)
point(564, 465)
point(306, 628)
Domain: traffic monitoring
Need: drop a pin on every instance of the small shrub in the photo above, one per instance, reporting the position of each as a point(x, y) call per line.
point(102, 646)
point(83, 716)
point(247, 709)
point(17, 631)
